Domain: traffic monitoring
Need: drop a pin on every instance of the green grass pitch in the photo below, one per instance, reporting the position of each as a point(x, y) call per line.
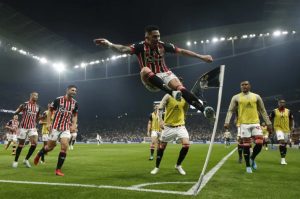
point(125, 165)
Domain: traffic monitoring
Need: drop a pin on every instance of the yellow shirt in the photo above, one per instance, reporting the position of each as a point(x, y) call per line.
point(44, 122)
point(175, 111)
point(247, 109)
point(247, 106)
point(282, 120)
point(155, 122)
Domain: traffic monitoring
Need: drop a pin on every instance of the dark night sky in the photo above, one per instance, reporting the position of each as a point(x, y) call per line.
point(124, 21)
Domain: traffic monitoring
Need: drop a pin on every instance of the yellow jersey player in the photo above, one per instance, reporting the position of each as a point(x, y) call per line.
point(153, 130)
point(283, 122)
point(45, 131)
point(248, 106)
point(173, 127)
point(265, 131)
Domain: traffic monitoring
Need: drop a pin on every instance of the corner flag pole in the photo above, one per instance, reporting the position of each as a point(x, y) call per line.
point(198, 184)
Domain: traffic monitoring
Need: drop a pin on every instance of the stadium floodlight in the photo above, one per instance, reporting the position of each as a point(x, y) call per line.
point(202, 41)
point(113, 57)
point(97, 62)
point(43, 60)
point(207, 41)
point(276, 33)
point(195, 42)
point(82, 65)
point(261, 35)
point(215, 39)
point(267, 34)
point(23, 52)
point(59, 67)
point(124, 55)
point(293, 32)
point(76, 66)
point(102, 60)
point(285, 32)
point(230, 38)
point(252, 35)
point(14, 48)
point(222, 39)
point(188, 43)
point(92, 63)
point(244, 36)
point(107, 59)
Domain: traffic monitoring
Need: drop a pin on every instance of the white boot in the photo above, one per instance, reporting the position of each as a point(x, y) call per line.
point(155, 171)
point(180, 170)
point(283, 162)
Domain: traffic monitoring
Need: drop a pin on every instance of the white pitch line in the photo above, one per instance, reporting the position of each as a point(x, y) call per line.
point(210, 174)
point(207, 177)
point(156, 183)
point(96, 186)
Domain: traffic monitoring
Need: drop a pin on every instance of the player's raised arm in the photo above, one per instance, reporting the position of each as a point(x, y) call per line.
point(116, 47)
point(205, 58)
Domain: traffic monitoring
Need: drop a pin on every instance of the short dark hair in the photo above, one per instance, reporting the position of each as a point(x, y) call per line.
point(150, 28)
point(71, 86)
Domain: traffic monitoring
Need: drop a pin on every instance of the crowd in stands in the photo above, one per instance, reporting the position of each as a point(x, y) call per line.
point(127, 129)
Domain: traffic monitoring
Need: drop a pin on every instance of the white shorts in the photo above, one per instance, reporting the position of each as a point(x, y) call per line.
point(171, 133)
point(166, 78)
point(45, 137)
point(282, 136)
point(249, 130)
point(12, 138)
point(155, 133)
point(25, 133)
point(57, 135)
point(74, 135)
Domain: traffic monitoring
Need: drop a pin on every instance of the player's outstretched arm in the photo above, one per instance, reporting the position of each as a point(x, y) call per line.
point(116, 47)
point(184, 52)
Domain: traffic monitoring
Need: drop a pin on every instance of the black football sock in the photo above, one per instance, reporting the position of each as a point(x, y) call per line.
point(61, 159)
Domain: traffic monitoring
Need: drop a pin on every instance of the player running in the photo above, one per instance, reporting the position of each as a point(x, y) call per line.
point(65, 107)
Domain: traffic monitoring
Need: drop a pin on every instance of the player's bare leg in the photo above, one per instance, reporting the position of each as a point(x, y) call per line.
point(160, 152)
point(184, 150)
point(282, 150)
point(7, 145)
point(18, 152)
point(33, 144)
point(47, 148)
point(43, 155)
point(152, 146)
point(62, 155)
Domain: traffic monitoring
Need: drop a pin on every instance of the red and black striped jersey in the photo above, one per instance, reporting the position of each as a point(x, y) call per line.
point(30, 112)
point(14, 124)
point(153, 57)
point(65, 108)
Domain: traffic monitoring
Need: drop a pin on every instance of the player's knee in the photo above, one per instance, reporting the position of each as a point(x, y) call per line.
point(246, 142)
point(162, 146)
point(259, 139)
point(180, 87)
point(186, 146)
point(145, 71)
